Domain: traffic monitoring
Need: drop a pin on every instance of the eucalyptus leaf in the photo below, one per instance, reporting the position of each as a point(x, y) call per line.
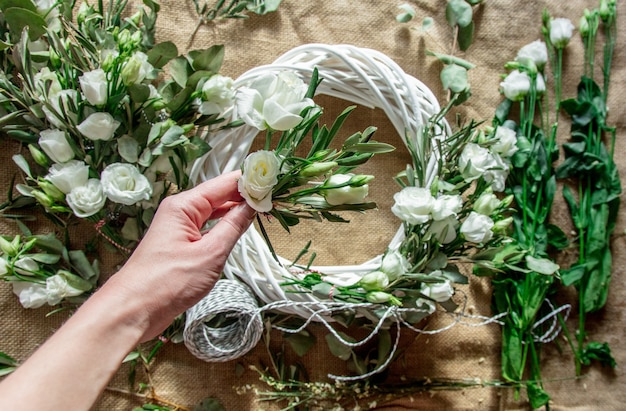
point(82, 265)
point(300, 342)
point(541, 265)
point(162, 53)
point(180, 69)
point(458, 13)
point(465, 36)
point(45, 258)
point(21, 18)
point(454, 78)
point(128, 148)
point(337, 347)
point(407, 13)
point(209, 59)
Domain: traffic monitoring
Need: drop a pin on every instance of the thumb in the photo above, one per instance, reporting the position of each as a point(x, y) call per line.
point(222, 237)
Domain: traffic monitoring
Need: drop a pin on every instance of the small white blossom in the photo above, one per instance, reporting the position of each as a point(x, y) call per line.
point(86, 200)
point(487, 203)
point(516, 85)
point(61, 110)
point(374, 281)
point(346, 194)
point(536, 52)
point(260, 175)
point(54, 143)
point(477, 228)
point(136, 69)
point(99, 126)
point(475, 161)
point(506, 142)
point(58, 287)
point(413, 205)
point(94, 86)
point(446, 206)
point(444, 230)
point(31, 295)
point(123, 183)
point(560, 32)
point(217, 95)
point(69, 175)
point(440, 292)
point(394, 264)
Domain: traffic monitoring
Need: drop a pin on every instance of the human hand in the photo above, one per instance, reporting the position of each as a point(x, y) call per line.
point(176, 264)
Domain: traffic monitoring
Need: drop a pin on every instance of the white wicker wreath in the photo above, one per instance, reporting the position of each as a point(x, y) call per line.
point(361, 76)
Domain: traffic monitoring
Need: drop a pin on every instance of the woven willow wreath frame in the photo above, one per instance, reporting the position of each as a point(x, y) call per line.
point(361, 76)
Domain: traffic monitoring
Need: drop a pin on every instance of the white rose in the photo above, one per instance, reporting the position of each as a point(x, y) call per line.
point(86, 200)
point(487, 203)
point(540, 84)
point(123, 183)
point(475, 161)
point(497, 174)
point(68, 175)
point(217, 95)
point(26, 266)
point(413, 205)
point(58, 287)
point(394, 264)
point(560, 32)
point(94, 86)
point(136, 69)
point(506, 142)
point(374, 281)
point(99, 126)
point(516, 85)
point(477, 228)
point(346, 194)
point(260, 175)
point(446, 206)
point(31, 295)
point(54, 143)
point(62, 110)
point(536, 51)
point(274, 101)
point(439, 292)
point(444, 230)
point(46, 82)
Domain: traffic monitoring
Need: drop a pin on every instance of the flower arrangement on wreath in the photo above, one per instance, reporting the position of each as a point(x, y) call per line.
point(110, 132)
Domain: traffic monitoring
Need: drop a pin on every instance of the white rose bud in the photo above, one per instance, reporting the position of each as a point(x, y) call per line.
point(537, 52)
point(31, 295)
point(516, 85)
point(274, 101)
point(94, 86)
point(439, 292)
point(260, 175)
point(54, 143)
point(381, 297)
point(477, 228)
point(374, 281)
point(86, 200)
point(560, 32)
point(64, 284)
point(99, 126)
point(475, 161)
point(26, 266)
point(217, 95)
point(123, 183)
point(136, 69)
point(394, 264)
point(497, 174)
point(487, 203)
point(61, 102)
point(446, 206)
point(68, 175)
point(506, 142)
point(413, 205)
point(344, 195)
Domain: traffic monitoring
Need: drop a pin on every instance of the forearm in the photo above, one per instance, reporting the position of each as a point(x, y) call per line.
point(74, 366)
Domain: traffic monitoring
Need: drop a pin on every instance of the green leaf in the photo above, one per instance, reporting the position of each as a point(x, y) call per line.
point(372, 147)
point(300, 342)
point(454, 78)
point(180, 70)
point(139, 93)
point(427, 23)
point(458, 13)
point(599, 352)
point(572, 275)
point(6, 359)
point(465, 36)
point(448, 59)
point(338, 348)
point(209, 59)
point(557, 238)
point(538, 396)
point(21, 18)
point(45, 258)
point(407, 13)
point(162, 53)
point(82, 265)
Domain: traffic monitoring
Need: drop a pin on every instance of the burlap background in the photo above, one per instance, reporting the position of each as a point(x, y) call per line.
point(502, 28)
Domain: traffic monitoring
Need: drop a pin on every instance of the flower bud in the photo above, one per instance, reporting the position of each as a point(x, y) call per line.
point(39, 157)
point(317, 169)
point(380, 297)
point(502, 226)
point(360, 180)
point(583, 27)
point(487, 203)
point(506, 201)
point(560, 32)
point(374, 281)
point(51, 190)
point(42, 198)
point(394, 264)
point(347, 194)
point(10, 248)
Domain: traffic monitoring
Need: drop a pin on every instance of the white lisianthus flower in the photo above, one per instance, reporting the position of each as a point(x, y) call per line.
point(136, 69)
point(346, 194)
point(446, 206)
point(31, 295)
point(123, 183)
point(537, 52)
point(54, 143)
point(217, 95)
point(413, 205)
point(4, 267)
point(516, 85)
point(560, 32)
point(26, 266)
point(439, 292)
point(49, 9)
point(46, 82)
point(477, 228)
point(374, 281)
point(99, 126)
point(94, 86)
point(444, 230)
point(69, 175)
point(394, 264)
point(61, 110)
point(86, 200)
point(58, 286)
point(487, 203)
point(475, 161)
point(497, 174)
point(260, 175)
point(506, 142)
point(273, 101)
point(425, 304)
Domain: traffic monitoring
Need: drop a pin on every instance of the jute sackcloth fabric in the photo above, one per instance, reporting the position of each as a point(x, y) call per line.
point(502, 27)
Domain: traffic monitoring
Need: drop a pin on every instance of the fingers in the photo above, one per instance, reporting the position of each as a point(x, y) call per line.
point(227, 231)
point(204, 199)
